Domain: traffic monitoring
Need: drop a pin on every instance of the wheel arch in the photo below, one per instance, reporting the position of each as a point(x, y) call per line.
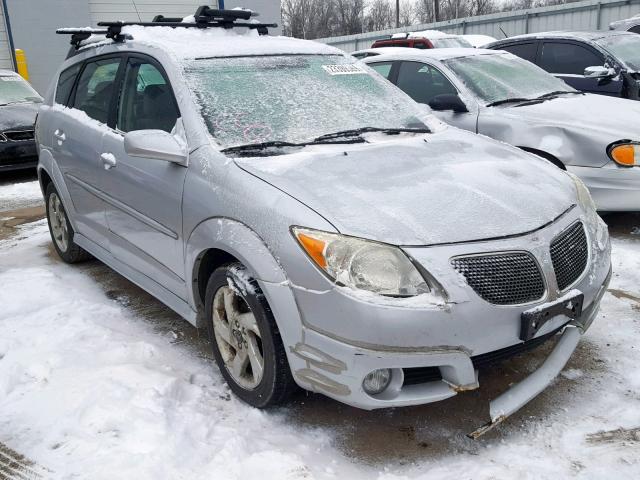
point(218, 241)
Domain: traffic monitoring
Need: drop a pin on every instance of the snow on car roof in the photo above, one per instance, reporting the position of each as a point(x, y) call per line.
point(435, 53)
point(186, 43)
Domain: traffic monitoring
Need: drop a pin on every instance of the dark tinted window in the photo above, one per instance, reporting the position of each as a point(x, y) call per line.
point(65, 83)
point(96, 88)
point(568, 58)
point(423, 82)
point(635, 29)
point(147, 102)
point(526, 51)
point(383, 68)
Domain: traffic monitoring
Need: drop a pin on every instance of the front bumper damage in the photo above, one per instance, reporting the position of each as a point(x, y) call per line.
point(501, 407)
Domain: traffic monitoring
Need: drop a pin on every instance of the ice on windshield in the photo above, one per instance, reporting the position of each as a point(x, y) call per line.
point(13, 89)
point(295, 98)
point(624, 47)
point(502, 76)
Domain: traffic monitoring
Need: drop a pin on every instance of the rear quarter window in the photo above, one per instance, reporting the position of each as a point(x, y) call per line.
point(65, 84)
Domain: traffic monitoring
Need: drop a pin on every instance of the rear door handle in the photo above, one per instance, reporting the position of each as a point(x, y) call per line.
point(108, 160)
point(59, 134)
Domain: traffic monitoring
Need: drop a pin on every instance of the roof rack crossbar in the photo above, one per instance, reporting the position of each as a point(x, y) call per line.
point(262, 28)
point(79, 35)
point(205, 17)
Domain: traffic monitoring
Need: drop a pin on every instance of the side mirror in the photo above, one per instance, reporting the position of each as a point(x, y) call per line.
point(448, 101)
point(155, 144)
point(599, 72)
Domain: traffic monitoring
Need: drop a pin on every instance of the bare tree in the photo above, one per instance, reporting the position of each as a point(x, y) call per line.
point(380, 15)
point(349, 16)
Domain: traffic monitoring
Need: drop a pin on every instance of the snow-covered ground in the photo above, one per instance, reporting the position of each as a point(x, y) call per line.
point(20, 195)
point(91, 388)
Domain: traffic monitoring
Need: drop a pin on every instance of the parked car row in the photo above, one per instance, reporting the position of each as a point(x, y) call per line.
point(497, 94)
point(326, 230)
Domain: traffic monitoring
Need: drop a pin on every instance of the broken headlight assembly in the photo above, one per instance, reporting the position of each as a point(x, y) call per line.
point(362, 264)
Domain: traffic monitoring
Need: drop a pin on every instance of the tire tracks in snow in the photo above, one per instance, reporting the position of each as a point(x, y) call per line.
point(14, 466)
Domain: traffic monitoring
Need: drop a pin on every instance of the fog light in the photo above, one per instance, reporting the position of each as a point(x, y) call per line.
point(376, 381)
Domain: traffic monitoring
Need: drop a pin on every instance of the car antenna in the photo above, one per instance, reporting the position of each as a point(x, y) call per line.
point(505, 35)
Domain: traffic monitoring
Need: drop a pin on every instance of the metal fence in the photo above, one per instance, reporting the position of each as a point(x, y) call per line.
point(585, 15)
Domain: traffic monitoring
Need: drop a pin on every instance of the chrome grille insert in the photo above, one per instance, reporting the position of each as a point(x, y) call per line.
point(509, 278)
point(570, 255)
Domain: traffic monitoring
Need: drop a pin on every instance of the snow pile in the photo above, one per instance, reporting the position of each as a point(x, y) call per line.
point(20, 195)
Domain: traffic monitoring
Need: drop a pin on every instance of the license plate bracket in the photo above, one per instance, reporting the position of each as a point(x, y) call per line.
point(531, 321)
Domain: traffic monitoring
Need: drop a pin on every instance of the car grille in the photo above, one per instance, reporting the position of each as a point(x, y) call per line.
point(418, 375)
point(17, 135)
point(569, 255)
point(508, 278)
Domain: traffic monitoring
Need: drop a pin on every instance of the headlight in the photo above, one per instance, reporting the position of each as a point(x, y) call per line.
point(594, 222)
point(625, 153)
point(362, 264)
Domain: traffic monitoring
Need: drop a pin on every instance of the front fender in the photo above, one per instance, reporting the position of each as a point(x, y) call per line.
point(238, 240)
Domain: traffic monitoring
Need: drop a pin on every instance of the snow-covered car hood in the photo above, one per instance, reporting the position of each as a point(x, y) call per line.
point(19, 115)
point(451, 186)
point(617, 117)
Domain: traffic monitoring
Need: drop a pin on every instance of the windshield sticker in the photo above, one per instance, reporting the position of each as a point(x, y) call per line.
point(11, 79)
point(348, 69)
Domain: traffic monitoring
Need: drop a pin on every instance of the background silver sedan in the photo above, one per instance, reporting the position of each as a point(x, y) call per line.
point(502, 96)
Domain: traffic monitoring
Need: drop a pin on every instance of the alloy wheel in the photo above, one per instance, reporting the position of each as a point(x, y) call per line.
point(58, 222)
point(238, 338)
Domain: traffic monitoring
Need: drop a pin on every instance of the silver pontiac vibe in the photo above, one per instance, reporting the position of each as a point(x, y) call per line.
point(497, 94)
point(326, 230)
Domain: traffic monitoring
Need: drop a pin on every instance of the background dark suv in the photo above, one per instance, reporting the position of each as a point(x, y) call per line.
point(596, 62)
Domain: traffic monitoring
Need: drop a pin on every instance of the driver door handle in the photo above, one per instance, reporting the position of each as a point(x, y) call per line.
point(108, 160)
point(59, 134)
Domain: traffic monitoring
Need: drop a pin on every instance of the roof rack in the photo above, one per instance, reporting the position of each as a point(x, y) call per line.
point(205, 17)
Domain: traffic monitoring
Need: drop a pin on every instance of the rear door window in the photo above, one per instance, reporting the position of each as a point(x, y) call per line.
point(526, 51)
point(568, 58)
point(423, 82)
point(96, 88)
point(65, 83)
point(147, 101)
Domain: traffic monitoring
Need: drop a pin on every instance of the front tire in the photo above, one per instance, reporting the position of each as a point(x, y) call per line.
point(60, 228)
point(245, 340)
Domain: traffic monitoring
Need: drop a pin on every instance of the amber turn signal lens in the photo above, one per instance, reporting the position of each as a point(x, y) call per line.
point(314, 248)
point(624, 155)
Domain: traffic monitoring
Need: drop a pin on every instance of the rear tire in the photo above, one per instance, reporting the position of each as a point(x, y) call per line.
point(245, 339)
point(60, 228)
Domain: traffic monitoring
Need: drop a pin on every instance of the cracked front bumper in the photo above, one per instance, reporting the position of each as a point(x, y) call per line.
point(337, 369)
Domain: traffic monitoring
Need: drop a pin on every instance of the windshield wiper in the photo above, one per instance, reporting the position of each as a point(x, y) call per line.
point(558, 92)
point(250, 147)
point(509, 100)
point(359, 131)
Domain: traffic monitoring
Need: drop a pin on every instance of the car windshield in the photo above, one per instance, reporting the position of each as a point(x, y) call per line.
point(625, 48)
point(295, 98)
point(450, 43)
point(495, 78)
point(13, 89)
